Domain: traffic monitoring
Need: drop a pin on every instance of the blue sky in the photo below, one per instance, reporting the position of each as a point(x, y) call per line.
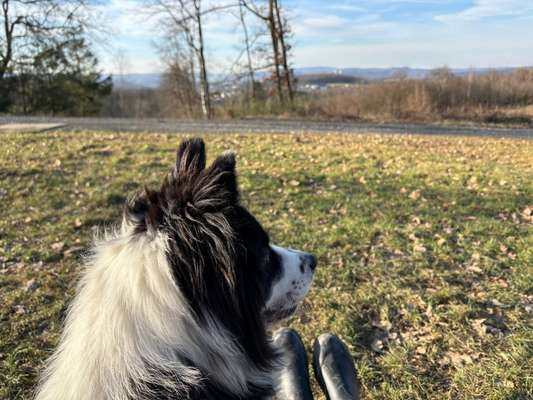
point(359, 33)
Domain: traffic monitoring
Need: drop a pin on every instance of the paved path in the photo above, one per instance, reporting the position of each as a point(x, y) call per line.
point(260, 125)
point(29, 127)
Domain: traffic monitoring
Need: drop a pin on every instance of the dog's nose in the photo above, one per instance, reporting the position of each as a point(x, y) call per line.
point(309, 260)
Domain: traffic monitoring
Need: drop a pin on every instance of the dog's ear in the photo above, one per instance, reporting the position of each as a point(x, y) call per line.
point(223, 176)
point(190, 190)
point(190, 159)
point(143, 211)
point(216, 188)
point(224, 166)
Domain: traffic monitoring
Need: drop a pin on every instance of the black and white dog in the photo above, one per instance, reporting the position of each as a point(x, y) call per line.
point(177, 304)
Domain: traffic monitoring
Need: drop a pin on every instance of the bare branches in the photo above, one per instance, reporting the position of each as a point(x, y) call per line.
point(254, 10)
point(36, 24)
point(282, 33)
point(184, 19)
point(276, 25)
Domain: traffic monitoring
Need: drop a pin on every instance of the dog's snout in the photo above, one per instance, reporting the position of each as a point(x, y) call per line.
point(308, 261)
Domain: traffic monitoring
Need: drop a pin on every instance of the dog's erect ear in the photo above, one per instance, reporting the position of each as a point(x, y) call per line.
point(191, 158)
point(191, 189)
point(217, 187)
point(224, 168)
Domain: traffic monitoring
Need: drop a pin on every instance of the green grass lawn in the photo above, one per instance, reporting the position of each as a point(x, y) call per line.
point(425, 246)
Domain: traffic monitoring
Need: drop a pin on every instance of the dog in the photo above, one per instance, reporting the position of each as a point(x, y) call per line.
point(178, 302)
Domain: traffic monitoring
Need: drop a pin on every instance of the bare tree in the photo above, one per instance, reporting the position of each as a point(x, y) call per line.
point(184, 18)
point(29, 26)
point(122, 65)
point(178, 88)
point(6, 41)
point(248, 50)
point(271, 15)
point(283, 32)
point(268, 17)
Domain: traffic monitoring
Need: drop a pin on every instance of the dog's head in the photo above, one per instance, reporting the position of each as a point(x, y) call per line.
point(220, 256)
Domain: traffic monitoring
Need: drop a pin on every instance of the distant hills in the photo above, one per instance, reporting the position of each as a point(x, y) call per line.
point(387, 73)
point(321, 79)
point(137, 80)
point(152, 80)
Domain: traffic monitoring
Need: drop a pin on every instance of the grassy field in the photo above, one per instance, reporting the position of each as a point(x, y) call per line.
point(425, 246)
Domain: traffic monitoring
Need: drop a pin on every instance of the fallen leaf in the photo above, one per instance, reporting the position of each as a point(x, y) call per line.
point(418, 248)
point(31, 285)
point(415, 195)
point(479, 326)
point(20, 309)
point(58, 246)
point(475, 269)
point(459, 359)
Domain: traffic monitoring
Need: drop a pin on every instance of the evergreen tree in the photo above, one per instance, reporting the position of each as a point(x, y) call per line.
point(62, 79)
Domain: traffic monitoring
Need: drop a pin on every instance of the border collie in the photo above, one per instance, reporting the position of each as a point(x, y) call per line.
point(177, 303)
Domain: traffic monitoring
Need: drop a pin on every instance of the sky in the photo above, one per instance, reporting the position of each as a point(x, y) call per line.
point(358, 33)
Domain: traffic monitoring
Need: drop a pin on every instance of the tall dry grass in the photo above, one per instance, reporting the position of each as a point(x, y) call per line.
point(492, 97)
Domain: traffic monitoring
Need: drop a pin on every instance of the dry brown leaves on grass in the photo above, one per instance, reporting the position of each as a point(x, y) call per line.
point(424, 246)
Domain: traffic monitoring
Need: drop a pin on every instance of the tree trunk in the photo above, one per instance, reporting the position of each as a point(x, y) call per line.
point(248, 53)
point(8, 32)
point(204, 80)
point(193, 100)
point(275, 48)
point(284, 61)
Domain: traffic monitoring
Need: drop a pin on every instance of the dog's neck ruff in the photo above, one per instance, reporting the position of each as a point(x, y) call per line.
point(130, 334)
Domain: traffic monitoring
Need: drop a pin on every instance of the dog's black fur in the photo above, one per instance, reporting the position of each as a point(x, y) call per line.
point(220, 256)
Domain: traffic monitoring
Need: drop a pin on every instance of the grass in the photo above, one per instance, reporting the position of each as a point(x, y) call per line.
point(425, 246)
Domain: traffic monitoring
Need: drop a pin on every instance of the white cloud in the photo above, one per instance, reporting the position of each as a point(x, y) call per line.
point(323, 22)
point(436, 47)
point(489, 8)
point(332, 29)
point(132, 19)
point(347, 7)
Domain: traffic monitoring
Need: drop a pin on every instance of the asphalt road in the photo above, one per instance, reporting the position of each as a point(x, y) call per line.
point(261, 126)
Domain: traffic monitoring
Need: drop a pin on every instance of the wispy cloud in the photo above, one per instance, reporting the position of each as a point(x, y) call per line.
point(482, 9)
point(323, 22)
point(347, 7)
